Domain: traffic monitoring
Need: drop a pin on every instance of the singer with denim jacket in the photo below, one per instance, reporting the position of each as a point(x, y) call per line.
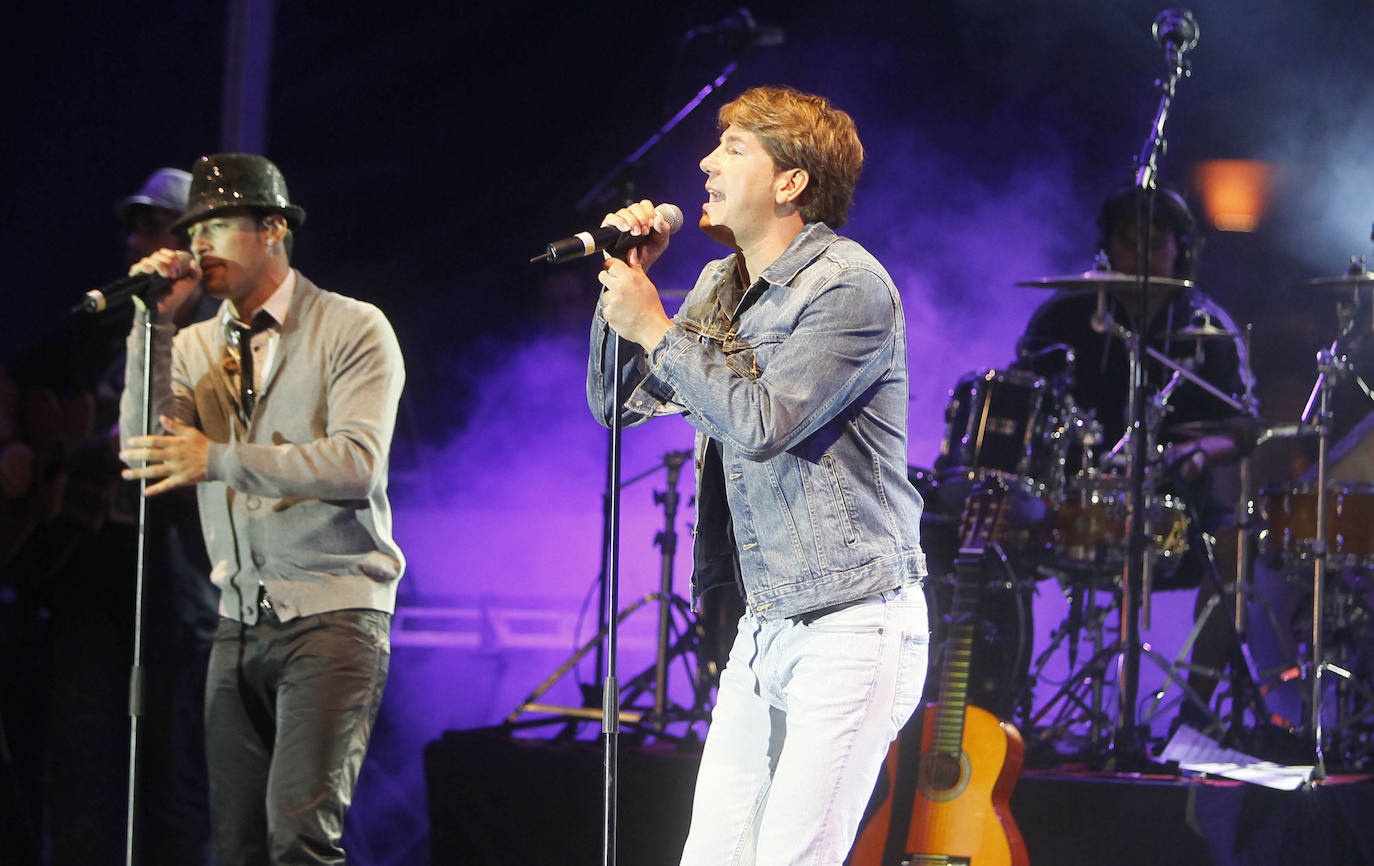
point(789, 358)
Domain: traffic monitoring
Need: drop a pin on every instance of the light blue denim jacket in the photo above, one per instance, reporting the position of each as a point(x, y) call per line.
point(799, 399)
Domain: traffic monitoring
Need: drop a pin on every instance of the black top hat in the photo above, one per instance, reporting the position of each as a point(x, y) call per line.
point(231, 180)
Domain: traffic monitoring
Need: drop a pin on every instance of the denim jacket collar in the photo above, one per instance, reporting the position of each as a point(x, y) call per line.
point(806, 247)
point(714, 319)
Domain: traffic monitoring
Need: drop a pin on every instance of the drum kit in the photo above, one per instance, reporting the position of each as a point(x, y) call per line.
point(1065, 500)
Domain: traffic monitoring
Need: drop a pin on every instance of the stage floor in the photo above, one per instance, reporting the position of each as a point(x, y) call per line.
point(495, 799)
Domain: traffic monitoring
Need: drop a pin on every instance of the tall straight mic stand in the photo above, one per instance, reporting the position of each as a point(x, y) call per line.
point(137, 695)
point(1128, 748)
point(610, 690)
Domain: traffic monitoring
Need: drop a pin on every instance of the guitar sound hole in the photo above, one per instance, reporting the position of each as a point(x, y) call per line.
point(943, 775)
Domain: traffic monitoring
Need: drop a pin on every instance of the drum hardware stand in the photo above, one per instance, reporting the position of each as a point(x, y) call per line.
point(1317, 414)
point(1138, 436)
point(1092, 678)
point(1244, 681)
point(654, 679)
point(1083, 613)
point(1349, 689)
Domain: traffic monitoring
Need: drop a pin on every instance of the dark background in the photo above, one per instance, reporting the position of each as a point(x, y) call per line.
point(436, 147)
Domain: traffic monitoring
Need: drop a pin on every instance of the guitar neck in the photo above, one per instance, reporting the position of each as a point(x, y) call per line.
point(949, 715)
point(982, 517)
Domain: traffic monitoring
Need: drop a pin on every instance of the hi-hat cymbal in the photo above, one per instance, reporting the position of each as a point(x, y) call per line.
point(1245, 430)
point(1092, 281)
point(1238, 426)
point(1352, 280)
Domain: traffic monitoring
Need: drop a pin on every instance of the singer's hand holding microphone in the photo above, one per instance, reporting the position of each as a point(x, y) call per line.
point(177, 269)
point(168, 275)
point(630, 302)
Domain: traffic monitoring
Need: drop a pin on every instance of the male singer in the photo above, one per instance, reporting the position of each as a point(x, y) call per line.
point(789, 358)
point(279, 412)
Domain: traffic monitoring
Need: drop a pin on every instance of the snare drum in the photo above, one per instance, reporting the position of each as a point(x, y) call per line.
point(1089, 527)
point(1005, 424)
point(1291, 517)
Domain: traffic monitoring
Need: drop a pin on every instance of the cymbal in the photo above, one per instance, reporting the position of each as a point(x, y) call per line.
point(1243, 428)
point(1205, 331)
point(1092, 281)
point(1235, 426)
point(1353, 280)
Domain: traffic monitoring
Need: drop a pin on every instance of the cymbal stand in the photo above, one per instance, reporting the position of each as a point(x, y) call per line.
point(1317, 414)
point(1245, 549)
point(1084, 613)
point(667, 543)
point(1244, 681)
point(1140, 436)
point(655, 678)
point(663, 712)
point(1080, 698)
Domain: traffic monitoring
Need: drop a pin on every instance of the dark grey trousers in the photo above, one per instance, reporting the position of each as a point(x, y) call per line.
point(289, 708)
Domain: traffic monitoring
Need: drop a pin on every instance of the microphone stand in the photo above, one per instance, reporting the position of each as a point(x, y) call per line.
point(610, 690)
point(610, 716)
point(136, 681)
point(1128, 749)
point(598, 193)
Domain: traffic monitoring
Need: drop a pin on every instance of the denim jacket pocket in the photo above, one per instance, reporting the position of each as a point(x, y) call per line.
point(746, 357)
point(843, 504)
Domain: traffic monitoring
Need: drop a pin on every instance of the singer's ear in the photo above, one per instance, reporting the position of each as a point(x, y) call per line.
point(275, 227)
point(790, 183)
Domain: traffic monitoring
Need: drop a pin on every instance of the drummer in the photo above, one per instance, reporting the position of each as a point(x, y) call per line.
point(1062, 344)
point(1097, 375)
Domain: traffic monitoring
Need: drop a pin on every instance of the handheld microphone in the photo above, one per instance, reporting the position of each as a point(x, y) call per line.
point(606, 239)
point(1177, 32)
point(116, 293)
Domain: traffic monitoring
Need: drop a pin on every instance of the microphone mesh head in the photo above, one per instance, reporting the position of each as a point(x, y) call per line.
point(672, 214)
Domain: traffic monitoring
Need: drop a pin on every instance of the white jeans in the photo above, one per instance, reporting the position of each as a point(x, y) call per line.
point(802, 722)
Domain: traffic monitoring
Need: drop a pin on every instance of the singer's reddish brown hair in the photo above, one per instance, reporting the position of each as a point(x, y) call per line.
point(802, 130)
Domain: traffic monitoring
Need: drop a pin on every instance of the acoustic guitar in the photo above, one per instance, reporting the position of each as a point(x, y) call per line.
point(954, 765)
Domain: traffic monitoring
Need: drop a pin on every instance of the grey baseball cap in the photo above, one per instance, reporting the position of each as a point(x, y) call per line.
point(165, 188)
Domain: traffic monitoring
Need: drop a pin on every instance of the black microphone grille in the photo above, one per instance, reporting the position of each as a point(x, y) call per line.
point(1177, 27)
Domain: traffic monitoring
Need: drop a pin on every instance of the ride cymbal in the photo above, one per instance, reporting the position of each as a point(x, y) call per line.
point(1352, 280)
point(1093, 281)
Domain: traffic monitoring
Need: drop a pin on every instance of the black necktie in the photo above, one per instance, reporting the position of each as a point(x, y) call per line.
point(247, 387)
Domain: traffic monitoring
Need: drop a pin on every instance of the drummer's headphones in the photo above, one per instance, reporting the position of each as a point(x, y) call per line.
point(1171, 211)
